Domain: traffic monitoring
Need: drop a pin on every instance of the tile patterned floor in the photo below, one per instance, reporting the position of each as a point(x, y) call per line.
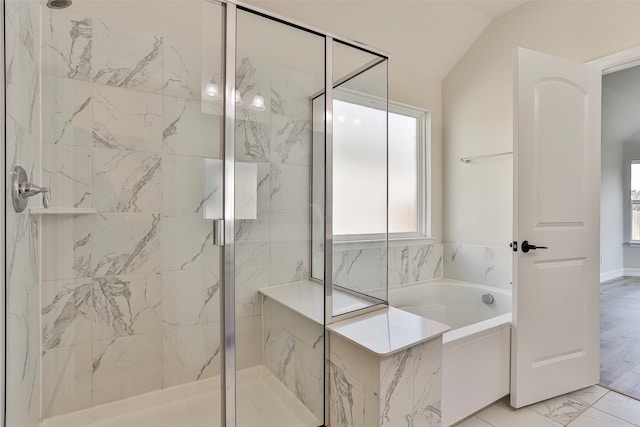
point(591, 407)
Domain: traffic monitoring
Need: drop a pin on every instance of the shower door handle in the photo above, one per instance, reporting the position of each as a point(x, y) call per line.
point(526, 247)
point(218, 232)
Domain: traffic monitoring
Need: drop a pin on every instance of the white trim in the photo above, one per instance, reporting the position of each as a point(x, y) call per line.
point(632, 272)
point(611, 274)
point(3, 301)
point(617, 61)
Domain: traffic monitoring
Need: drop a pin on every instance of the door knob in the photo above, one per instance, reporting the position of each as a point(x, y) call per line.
point(526, 247)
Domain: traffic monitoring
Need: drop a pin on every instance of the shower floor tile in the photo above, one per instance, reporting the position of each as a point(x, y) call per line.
point(261, 400)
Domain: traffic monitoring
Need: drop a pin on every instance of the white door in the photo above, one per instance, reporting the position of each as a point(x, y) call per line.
point(556, 313)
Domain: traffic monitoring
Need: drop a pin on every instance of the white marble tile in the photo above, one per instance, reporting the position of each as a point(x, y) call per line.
point(66, 111)
point(66, 172)
point(289, 262)
point(248, 342)
point(473, 422)
point(309, 370)
point(502, 415)
point(562, 409)
point(190, 297)
point(22, 83)
point(399, 265)
point(23, 360)
point(290, 92)
point(427, 383)
point(183, 186)
point(24, 152)
point(498, 267)
point(191, 353)
point(290, 140)
point(396, 388)
point(126, 119)
point(127, 58)
point(253, 134)
point(182, 69)
point(592, 417)
point(363, 270)
point(191, 127)
point(66, 379)
point(620, 406)
point(126, 243)
point(464, 262)
point(66, 246)
point(187, 243)
point(23, 241)
point(126, 366)
point(249, 279)
point(66, 313)
point(354, 379)
point(126, 305)
point(66, 44)
point(126, 181)
point(23, 17)
point(289, 188)
point(426, 262)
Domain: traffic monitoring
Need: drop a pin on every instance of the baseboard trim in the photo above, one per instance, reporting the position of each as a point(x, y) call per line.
point(619, 272)
point(613, 274)
point(633, 272)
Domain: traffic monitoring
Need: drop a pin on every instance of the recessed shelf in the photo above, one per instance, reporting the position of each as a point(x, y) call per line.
point(62, 211)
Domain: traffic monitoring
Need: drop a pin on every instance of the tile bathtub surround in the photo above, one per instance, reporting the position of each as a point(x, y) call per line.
point(127, 134)
point(483, 265)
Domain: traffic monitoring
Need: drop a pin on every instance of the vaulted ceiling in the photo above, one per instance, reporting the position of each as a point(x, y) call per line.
point(424, 36)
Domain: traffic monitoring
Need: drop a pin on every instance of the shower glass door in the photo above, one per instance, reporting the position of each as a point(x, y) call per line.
point(279, 310)
point(113, 291)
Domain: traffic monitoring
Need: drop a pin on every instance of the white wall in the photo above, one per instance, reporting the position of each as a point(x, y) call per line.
point(477, 103)
point(611, 229)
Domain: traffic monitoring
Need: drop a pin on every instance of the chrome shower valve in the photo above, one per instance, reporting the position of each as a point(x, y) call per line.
point(22, 189)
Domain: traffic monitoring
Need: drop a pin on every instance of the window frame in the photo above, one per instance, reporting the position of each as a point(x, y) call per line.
point(632, 202)
point(423, 188)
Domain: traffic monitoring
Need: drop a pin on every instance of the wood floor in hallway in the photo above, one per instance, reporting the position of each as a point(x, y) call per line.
point(620, 335)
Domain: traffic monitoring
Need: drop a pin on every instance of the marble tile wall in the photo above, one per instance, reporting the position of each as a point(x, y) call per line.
point(293, 348)
point(130, 295)
point(22, 60)
point(403, 389)
point(484, 265)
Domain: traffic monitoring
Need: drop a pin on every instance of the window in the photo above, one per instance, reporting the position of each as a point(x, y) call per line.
point(635, 201)
point(360, 162)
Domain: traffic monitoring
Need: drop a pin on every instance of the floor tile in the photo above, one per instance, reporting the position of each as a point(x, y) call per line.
point(595, 418)
point(473, 422)
point(620, 406)
point(500, 414)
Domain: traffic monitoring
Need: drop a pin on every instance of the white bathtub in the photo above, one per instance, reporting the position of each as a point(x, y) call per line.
point(477, 349)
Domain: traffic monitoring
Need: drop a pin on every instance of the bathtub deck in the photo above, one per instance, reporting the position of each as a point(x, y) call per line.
point(620, 335)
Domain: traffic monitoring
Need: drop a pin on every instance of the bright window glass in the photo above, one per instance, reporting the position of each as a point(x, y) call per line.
point(635, 201)
point(356, 177)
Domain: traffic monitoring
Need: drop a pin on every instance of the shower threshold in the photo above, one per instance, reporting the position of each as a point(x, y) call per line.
point(261, 400)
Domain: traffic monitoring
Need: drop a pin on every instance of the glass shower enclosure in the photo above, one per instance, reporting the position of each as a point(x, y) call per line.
point(194, 204)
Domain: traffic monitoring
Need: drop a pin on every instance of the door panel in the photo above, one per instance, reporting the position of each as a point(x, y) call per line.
point(556, 204)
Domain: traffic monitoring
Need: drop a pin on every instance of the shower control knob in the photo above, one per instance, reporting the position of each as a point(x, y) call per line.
point(526, 247)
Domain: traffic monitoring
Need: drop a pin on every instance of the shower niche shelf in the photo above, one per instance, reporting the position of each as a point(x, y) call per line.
point(62, 211)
